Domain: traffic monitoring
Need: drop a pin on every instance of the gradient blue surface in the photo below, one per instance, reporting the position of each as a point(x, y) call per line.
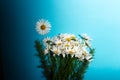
point(98, 18)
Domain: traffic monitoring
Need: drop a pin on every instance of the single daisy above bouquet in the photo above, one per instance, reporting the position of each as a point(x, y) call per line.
point(43, 26)
point(64, 56)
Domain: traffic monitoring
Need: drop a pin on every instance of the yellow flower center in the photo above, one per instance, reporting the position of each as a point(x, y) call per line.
point(67, 45)
point(42, 27)
point(56, 51)
point(59, 44)
point(71, 52)
point(68, 39)
point(84, 53)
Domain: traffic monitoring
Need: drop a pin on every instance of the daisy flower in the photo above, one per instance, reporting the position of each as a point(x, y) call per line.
point(58, 42)
point(85, 36)
point(55, 50)
point(43, 26)
point(46, 40)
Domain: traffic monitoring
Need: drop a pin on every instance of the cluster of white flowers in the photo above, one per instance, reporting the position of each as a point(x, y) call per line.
point(65, 43)
point(69, 44)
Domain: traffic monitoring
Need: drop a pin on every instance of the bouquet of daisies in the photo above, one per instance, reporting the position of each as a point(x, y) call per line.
point(64, 56)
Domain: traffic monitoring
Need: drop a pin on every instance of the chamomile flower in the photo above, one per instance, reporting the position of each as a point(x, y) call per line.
point(85, 36)
point(58, 42)
point(47, 41)
point(68, 38)
point(55, 50)
point(43, 26)
point(70, 51)
point(65, 44)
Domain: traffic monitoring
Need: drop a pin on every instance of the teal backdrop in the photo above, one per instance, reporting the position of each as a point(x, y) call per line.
point(98, 18)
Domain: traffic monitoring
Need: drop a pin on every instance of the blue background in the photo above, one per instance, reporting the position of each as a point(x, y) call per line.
point(98, 18)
